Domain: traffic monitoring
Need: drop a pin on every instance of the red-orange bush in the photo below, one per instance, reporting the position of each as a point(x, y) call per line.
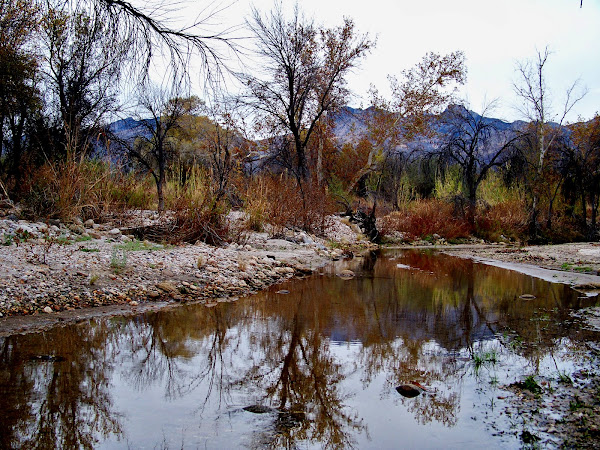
point(508, 218)
point(279, 201)
point(424, 218)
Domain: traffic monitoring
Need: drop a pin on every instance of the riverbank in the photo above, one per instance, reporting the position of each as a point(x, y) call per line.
point(550, 412)
point(62, 273)
point(50, 270)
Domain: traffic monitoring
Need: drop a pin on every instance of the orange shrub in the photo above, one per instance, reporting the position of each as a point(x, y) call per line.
point(279, 201)
point(508, 218)
point(424, 218)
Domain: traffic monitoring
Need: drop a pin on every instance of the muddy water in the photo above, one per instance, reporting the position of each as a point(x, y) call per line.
point(317, 367)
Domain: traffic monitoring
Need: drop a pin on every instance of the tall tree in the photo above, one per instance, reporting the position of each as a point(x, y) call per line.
point(19, 95)
point(536, 106)
point(476, 144)
point(153, 149)
point(583, 177)
point(304, 69)
point(425, 90)
point(83, 68)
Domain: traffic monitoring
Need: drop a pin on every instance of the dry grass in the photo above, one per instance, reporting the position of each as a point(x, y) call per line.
point(78, 187)
point(508, 219)
point(424, 218)
point(279, 201)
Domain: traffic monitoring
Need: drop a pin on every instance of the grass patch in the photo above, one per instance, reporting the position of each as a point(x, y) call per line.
point(137, 246)
point(89, 250)
point(576, 404)
point(482, 358)
point(83, 238)
point(574, 268)
point(564, 378)
point(530, 384)
point(118, 260)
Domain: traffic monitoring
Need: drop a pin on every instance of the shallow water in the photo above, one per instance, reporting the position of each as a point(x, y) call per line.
point(322, 363)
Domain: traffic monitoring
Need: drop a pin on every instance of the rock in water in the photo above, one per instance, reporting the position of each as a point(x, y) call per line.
point(408, 390)
point(259, 409)
point(527, 297)
point(346, 274)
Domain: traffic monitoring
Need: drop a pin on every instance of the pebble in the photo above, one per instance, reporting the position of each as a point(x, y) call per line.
point(64, 281)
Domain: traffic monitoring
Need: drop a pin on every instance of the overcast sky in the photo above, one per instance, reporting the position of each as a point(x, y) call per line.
point(492, 34)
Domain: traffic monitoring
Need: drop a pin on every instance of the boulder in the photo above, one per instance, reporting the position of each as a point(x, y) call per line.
point(167, 286)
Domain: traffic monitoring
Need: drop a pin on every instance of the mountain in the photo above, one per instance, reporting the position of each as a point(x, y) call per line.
point(350, 125)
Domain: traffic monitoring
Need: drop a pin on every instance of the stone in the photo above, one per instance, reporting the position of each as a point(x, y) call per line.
point(283, 291)
point(346, 274)
point(134, 303)
point(527, 297)
point(259, 409)
point(48, 310)
point(167, 286)
point(114, 232)
point(94, 235)
point(303, 270)
point(89, 223)
point(408, 390)
point(153, 294)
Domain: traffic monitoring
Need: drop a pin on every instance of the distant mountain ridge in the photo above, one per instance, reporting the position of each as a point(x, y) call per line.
point(350, 125)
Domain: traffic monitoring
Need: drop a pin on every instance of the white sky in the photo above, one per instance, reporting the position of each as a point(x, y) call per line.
point(492, 34)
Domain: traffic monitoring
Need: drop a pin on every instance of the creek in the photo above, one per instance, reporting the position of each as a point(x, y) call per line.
point(316, 367)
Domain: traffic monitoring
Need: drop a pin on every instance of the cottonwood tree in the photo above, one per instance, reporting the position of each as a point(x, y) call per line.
point(83, 62)
point(214, 139)
point(583, 177)
point(153, 149)
point(425, 90)
point(20, 98)
point(536, 106)
point(476, 144)
point(302, 76)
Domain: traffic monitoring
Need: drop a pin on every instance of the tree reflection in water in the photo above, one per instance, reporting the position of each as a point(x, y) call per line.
point(55, 388)
point(412, 318)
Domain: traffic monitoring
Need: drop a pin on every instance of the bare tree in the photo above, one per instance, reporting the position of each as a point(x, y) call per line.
point(151, 28)
point(536, 106)
point(476, 144)
point(83, 62)
point(153, 149)
point(303, 77)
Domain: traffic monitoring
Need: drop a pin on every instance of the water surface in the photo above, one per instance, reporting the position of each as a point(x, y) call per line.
point(314, 368)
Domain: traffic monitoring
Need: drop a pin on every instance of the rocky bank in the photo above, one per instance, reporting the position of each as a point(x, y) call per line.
point(51, 267)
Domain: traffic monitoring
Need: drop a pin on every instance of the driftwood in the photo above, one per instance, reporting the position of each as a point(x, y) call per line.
point(177, 230)
point(366, 223)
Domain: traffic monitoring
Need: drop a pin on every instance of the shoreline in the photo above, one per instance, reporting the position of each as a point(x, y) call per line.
point(65, 273)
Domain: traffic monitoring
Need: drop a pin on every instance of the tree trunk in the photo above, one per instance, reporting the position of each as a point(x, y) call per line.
point(161, 196)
